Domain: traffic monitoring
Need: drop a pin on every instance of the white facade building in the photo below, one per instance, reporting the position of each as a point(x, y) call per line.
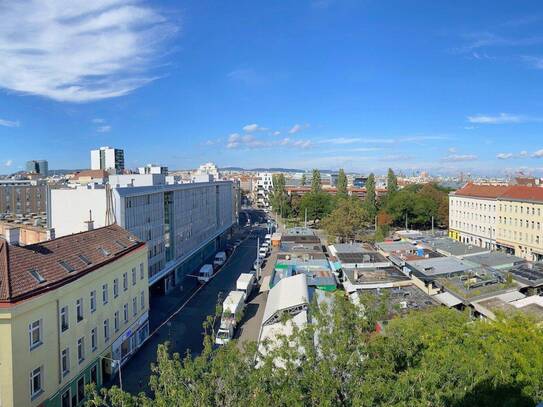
point(107, 159)
point(153, 169)
point(183, 224)
point(209, 169)
point(263, 188)
point(473, 213)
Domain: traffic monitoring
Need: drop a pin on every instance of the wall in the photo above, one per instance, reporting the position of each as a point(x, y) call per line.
point(473, 220)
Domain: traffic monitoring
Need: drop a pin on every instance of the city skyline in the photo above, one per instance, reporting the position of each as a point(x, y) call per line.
point(315, 84)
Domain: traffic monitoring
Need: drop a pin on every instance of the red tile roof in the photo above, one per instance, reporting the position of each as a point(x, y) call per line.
point(91, 174)
point(16, 263)
point(523, 193)
point(481, 191)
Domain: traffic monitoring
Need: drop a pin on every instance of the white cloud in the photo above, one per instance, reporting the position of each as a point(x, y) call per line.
point(452, 150)
point(104, 129)
point(502, 118)
point(504, 156)
point(8, 163)
point(250, 128)
point(98, 120)
point(536, 62)
point(276, 133)
point(8, 123)
point(297, 128)
point(538, 154)
point(523, 153)
point(79, 50)
point(469, 127)
point(459, 157)
point(249, 141)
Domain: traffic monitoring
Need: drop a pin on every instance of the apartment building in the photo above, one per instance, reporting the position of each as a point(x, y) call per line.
point(520, 222)
point(507, 218)
point(23, 196)
point(263, 188)
point(182, 224)
point(72, 310)
point(107, 159)
point(472, 214)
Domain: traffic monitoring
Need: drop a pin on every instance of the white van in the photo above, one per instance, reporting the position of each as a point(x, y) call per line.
point(232, 312)
point(267, 238)
point(246, 284)
point(220, 259)
point(205, 274)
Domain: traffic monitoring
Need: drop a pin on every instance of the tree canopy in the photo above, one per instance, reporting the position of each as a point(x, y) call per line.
point(316, 181)
point(318, 205)
point(346, 220)
point(370, 202)
point(342, 184)
point(392, 183)
point(278, 196)
point(438, 357)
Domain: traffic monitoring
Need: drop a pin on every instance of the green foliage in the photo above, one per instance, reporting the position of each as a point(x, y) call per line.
point(370, 203)
point(346, 220)
point(278, 196)
point(303, 180)
point(437, 358)
point(419, 203)
point(342, 184)
point(318, 205)
point(379, 234)
point(392, 183)
point(316, 181)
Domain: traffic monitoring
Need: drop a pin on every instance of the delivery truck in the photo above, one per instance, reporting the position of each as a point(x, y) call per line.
point(246, 283)
point(232, 312)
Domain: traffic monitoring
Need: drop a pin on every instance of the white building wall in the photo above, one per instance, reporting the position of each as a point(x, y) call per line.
point(474, 219)
point(95, 159)
point(70, 208)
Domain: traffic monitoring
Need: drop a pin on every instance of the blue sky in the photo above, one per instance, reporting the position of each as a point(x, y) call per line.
point(439, 86)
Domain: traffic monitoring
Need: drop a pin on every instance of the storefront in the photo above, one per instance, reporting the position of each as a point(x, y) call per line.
point(131, 339)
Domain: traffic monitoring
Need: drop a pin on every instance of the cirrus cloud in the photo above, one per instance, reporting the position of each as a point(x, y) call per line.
point(502, 118)
point(9, 123)
point(79, 50)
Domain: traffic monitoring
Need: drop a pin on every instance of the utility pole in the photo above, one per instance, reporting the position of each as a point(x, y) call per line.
point(305, 221)
point(432, 225)
point(406, 221)
point(258, 258)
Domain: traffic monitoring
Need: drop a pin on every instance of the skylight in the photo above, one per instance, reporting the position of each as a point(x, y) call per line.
point(85, 260)
point(103, 251)
point(66, 266)
point(37, 276)
point(120, 244)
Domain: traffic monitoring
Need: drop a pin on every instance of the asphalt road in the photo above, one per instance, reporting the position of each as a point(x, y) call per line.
point(184, 331)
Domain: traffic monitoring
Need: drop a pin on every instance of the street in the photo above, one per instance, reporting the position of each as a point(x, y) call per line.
point(184, 330)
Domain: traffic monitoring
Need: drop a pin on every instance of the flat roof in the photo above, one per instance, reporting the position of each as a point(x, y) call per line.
point(453, 247)
point(396, 246)
point(528, 273)
point(438, 266)
point(495, 259)
point(375, 275)
point(401, 300)
point(289, 293)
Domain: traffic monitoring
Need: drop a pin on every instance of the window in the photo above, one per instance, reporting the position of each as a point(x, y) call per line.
point(64, 325)
point(134, 276)
point(35, 334)
point(65, 361)
point(125, 312)
point(80, 390)
point(142, 272)
point(94, 375)
point(125, 281)
point(94, 343)
point(115, 288)
point(79, 309)
point(104, 294)
point(66, 266)
point(142, 300)
point(36, 382)
point(116, 322)
point(93, 300)
point(81, 349)
point(65, 399)
point(135, 306)
point(85, 260)
point(106, 330)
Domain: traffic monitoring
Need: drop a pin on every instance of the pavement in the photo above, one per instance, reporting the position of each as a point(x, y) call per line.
point(178, 316)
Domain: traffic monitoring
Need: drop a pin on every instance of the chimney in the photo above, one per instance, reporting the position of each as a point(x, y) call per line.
point(50, 234)
point(12, 236)
point(89, 224)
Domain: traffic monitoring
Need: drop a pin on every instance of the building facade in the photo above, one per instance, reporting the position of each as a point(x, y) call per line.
point(182, 224)
point(506, 218)
point(520, 222)
point(263, 189)
point(71, 311)
point(22, 197)
point(107, 159)
point(473, 214)
point(40, 167)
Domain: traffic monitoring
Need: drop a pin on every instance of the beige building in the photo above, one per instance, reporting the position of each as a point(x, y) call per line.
point(520, 222)
point(71, 311)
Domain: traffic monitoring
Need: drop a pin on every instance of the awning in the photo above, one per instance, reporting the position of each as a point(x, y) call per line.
point(265, 286)
point(447, 299)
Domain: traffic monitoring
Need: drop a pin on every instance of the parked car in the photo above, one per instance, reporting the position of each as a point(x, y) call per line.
point(220, 259)
point(205, 274)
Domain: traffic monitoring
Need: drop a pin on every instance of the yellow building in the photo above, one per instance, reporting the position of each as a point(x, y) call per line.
point(520, 222)
point(71, 310)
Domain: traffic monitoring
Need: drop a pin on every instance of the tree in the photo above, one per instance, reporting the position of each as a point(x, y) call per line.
point(392, 183)
point(342, 184)
point(436, 357)
point(346, 220)
point(316, 181)
point(318, 205)
point(303, 180)
point(278, 196)
point(370, 203)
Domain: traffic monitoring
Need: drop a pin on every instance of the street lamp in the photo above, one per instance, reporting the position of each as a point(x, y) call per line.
point(114, 363)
